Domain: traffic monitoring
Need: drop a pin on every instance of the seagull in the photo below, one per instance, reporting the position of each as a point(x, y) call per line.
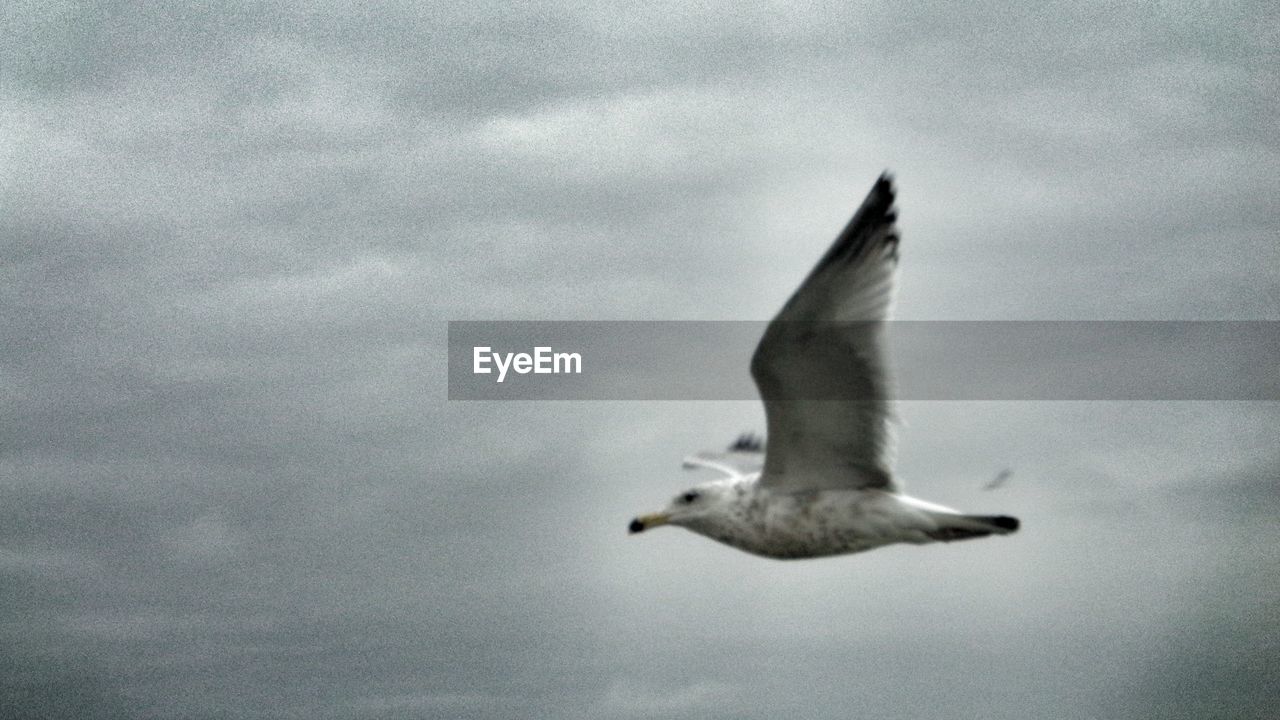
point(821, 484)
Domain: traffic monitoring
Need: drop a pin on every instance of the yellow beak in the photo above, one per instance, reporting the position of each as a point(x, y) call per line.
point(644, 522)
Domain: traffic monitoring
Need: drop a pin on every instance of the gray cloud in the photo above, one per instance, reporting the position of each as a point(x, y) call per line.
point(231, 484)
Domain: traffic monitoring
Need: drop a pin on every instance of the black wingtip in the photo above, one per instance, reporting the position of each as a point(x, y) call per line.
point(1004, 522)
point(746, 442)
point(879, 202)
point(870, 230)
point(884, 185)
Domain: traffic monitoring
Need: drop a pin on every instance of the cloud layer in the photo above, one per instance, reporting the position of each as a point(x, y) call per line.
point(231, 235)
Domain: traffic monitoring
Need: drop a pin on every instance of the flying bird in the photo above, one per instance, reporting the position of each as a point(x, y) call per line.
point(822, 484)
point(999, 480)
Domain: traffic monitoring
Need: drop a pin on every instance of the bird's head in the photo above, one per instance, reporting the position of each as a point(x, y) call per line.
point(686, 509)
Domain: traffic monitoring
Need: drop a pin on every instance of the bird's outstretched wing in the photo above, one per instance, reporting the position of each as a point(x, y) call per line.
point(744, 457)
point(820, 365)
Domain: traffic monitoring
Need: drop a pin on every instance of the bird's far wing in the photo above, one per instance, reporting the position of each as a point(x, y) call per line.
point(744, 457)
point(820, 365)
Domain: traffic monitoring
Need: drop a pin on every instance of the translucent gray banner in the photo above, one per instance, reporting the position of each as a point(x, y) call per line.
point(981, 360)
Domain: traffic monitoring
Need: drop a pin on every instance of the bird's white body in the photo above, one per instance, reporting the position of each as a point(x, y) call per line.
point(741, 513)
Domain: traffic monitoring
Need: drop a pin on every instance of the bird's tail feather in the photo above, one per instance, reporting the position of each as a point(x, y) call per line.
point(963, 527)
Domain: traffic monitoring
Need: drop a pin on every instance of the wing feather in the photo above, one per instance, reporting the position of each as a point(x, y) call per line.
point(744, 457)
point(820, 364)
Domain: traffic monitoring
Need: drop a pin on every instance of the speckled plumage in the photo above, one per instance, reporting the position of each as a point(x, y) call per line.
point(738, 512)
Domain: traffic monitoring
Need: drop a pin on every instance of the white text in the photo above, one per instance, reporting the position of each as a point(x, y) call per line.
point(543, 361)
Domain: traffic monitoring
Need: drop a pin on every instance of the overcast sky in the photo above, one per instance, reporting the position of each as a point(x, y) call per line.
point(231, 485)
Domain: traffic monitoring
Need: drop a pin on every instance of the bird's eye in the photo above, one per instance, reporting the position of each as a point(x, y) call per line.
point(689, 497)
